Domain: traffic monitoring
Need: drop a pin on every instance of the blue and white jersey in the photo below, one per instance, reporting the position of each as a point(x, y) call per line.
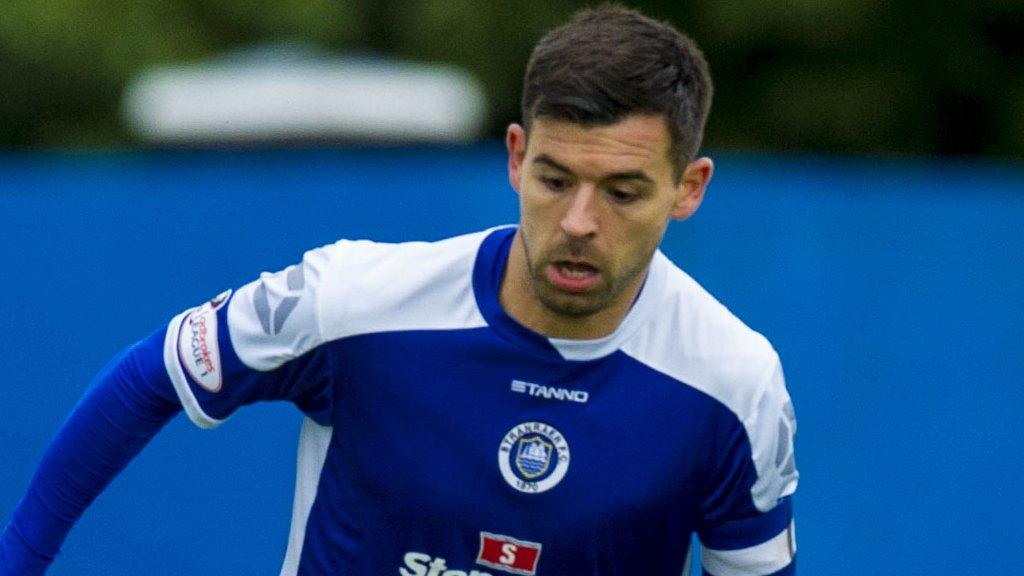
point(444, 439)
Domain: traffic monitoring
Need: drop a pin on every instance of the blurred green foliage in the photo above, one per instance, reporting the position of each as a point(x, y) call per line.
point(889, 76)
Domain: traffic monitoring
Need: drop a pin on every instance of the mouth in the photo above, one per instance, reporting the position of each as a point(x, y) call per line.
point(573, 275)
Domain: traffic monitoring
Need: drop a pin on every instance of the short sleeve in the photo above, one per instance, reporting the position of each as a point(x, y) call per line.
point(747, 525)
point(260, 342)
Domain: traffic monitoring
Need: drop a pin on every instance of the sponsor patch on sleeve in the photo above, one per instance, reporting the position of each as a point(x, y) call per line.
point(197, 344)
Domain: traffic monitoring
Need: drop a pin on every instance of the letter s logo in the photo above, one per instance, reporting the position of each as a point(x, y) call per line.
point(508, 554)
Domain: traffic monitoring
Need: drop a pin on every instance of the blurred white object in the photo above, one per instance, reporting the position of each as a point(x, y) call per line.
point(290, 93)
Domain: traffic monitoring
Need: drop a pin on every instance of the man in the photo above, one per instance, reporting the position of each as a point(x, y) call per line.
point(554, 399)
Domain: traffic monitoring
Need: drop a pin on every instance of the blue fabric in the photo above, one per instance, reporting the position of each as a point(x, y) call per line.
point(749, 531)
point(129, 401)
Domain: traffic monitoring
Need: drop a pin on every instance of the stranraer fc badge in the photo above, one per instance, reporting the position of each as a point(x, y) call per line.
point(533, 457)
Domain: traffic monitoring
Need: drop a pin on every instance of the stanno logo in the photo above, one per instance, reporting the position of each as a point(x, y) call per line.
point(550, 392)
point(508, 554)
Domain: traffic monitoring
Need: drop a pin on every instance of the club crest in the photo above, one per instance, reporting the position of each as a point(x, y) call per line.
point(533, 457)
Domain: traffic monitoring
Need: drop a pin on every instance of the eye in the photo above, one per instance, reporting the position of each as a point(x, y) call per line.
point(622, 196)
point(554, 183)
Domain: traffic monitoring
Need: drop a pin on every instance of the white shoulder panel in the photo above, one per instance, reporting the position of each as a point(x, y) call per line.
point(375, 287)
point(355, 287)
point(696, 340)
point(276, 318)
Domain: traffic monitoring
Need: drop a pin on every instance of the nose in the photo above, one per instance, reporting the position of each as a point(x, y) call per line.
point(580, 219)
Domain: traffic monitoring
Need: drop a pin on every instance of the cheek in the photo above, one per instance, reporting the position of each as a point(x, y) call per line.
point(535, 214)
point(531, 225)
point(639, 237)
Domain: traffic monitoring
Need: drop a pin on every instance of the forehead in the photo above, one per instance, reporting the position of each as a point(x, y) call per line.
point(637, 142)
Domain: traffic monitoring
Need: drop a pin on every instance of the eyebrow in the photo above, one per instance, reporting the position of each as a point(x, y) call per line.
point(627, 175)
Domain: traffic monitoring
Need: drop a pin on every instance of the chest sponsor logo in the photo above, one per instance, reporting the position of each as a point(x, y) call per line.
point(533, 457)
point(508, 554)
point(420, 564)
point(550, 392)
point(197, 344)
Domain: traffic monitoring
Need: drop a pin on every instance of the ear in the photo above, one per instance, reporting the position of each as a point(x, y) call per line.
point(691, 187)
point(515, 142)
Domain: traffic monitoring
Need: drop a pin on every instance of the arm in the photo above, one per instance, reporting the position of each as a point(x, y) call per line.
point(129, 401)
point(761, 545)
point(747, 527)
point(205, 363)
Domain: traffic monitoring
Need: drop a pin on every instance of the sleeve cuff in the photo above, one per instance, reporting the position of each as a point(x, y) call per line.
point(774, 557)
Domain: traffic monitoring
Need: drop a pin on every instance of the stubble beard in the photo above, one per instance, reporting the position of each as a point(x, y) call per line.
point(577, 306)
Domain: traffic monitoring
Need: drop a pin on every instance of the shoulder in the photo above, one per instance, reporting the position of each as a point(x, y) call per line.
point(371, 286)
point(388, 261)
point(701, 344)
point(354, 287)
point(696, 340)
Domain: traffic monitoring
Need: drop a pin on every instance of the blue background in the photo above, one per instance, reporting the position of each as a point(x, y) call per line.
point(894, 292)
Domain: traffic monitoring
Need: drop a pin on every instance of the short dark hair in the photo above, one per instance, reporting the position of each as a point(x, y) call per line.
point(610, 62)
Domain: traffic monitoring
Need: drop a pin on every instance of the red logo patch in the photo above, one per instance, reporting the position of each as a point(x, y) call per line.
point(508, 554)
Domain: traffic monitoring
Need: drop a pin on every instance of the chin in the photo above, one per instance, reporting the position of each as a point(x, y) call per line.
point(573, 306)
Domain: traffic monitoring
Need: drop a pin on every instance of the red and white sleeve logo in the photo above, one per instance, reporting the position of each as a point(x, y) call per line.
point(197, 344)
point(508, 554)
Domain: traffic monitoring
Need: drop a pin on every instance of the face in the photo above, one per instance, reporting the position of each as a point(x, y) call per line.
point(594, 204)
